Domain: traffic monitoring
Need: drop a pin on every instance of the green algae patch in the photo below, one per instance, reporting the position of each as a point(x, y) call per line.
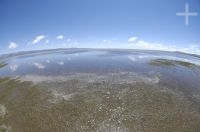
point(2, 65)
point(166, 62)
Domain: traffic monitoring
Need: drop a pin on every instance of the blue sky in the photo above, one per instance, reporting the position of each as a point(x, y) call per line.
point(133, 24)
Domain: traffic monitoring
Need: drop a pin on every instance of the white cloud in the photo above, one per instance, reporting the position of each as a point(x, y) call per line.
point(39, 65)
point(75, 43)
point(69, 40)
point(140, 44)
point(38, 39)
point(12, 45)
point(47, 41)
point(191, 48)
point(60, 37)
point(135, 43)
point(148, 46)
point(132, 39)
point(106, 41)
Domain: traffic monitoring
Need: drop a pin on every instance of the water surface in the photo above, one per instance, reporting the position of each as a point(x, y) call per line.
point(99, 90)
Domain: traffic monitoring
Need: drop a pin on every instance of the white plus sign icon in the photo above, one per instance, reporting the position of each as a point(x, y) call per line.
point(186, 14)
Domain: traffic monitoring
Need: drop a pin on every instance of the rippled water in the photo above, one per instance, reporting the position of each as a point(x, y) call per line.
point(99, 90)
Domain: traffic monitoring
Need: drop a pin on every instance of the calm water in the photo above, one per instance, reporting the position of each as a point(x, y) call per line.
point(107, 61)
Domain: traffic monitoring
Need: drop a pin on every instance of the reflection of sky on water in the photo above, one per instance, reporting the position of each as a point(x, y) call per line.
point(39, 65)
point(188, 59)
point(97, 62)
point(61, 63)
point(48, 61)
point(13, 67)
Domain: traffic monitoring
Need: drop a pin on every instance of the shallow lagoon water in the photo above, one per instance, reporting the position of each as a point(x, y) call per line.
point(100, 90)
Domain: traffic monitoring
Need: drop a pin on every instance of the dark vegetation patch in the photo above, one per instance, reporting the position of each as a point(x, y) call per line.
point(2, 65)
point(166, 62)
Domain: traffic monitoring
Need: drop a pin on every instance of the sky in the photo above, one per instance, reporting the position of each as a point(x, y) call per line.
point(131, 24)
